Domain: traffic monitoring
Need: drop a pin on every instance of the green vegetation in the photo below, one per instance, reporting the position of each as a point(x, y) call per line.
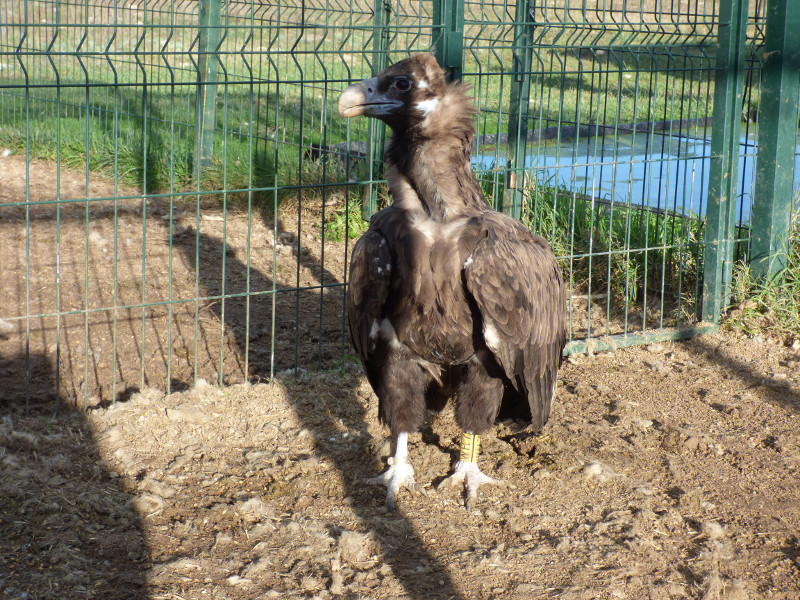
point(148, 144)
point(761, 307)
point(639, 84)
point(629, 248)
point(345, 223)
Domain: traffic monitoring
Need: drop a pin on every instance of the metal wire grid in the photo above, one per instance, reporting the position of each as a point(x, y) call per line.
point(636, 171)
point(185, 295)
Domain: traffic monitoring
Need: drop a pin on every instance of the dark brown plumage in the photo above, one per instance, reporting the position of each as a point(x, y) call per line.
point(447, 297)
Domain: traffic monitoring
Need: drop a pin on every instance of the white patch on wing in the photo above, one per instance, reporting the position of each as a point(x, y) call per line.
point(467, 262)
point(388, 333)
point(491, 338)
point(426, 106)
point(373, 332)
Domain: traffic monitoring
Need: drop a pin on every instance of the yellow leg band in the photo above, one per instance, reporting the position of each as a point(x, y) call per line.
point(470, 447)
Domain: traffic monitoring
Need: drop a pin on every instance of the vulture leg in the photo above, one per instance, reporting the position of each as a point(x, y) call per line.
point(466, 471)
point(399, 474)
point(479, 395)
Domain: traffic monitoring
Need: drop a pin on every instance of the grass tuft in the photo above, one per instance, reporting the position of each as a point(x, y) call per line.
point(633, 250)
point(772, 307)
point(345, 223)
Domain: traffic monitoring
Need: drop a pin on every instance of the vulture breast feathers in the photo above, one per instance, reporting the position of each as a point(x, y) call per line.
point(447, 297)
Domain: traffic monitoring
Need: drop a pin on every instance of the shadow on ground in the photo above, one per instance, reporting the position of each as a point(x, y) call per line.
point(400, 546)
point(68, 528)
point(752, 375)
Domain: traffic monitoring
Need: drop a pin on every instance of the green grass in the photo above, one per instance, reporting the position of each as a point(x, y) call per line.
point(627, 249)
point(760, 307)
point(345, 222)
point(569, 86)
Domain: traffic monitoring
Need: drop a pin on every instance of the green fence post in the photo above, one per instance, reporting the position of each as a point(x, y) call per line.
point(522, 50)
point(448, 36)
point(722, 181)
point(206, 115)
point(377, 130)
point(777, 138)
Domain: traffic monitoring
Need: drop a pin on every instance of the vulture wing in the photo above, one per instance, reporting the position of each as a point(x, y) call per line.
point(370, 272)
point(516, 283)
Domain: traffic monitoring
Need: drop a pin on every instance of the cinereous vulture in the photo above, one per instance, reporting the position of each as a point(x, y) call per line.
point(447, 297)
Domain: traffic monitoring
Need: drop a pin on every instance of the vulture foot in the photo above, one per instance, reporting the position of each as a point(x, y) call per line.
point(472, 477)
point(399, 474)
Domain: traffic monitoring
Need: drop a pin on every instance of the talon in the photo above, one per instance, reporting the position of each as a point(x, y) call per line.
point(472, 477)
point(398, 475)
point(453, 480)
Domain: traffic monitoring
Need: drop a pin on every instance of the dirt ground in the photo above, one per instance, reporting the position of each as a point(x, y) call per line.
point(669, 471)
point(666, 471)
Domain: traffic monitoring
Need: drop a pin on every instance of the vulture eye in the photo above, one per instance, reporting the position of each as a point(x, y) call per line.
point(402, 84)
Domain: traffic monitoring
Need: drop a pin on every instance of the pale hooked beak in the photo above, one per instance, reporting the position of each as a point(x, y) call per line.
point(363, 99)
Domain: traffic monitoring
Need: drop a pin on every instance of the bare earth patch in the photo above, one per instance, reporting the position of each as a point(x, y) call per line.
point(667, 471)
point(177, 269)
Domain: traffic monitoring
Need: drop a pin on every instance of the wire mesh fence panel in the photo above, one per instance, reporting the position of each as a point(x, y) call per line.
point(179, 208)
point(615, 150)
point(179, 197)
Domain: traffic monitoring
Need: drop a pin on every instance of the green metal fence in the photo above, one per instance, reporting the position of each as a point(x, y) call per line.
point(178, 197)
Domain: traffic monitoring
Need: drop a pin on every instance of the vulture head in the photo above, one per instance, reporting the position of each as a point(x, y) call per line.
point(406, 94)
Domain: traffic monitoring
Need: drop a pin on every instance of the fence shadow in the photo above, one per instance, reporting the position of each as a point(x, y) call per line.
point(68, 527)
point(761, 383)
point(401, 547)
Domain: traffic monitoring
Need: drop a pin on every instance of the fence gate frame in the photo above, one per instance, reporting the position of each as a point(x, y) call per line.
point(778, 116)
